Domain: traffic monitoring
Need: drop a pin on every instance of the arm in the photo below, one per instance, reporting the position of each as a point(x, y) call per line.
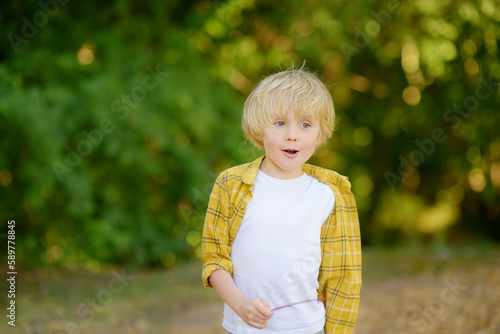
point(215, 242)
point(254, 312)
point(217, 264)
point(340, 271)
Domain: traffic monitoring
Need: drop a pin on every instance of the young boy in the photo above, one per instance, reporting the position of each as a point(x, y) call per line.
point(281, 242)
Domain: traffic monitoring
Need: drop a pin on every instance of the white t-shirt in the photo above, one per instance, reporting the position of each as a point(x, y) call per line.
point(276, 253)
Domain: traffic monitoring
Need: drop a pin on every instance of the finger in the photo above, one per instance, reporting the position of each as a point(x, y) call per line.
point(257, 317)
point(258, 324)
point(264, 308)
point(265, 302)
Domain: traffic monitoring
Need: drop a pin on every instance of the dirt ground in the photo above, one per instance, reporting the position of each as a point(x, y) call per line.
point(403, 292)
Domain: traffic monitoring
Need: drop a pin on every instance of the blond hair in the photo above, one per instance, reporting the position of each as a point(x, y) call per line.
point(296, 90)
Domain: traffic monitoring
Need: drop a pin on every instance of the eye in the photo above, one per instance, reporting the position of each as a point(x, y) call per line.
point(280, 123)
point(305, 125)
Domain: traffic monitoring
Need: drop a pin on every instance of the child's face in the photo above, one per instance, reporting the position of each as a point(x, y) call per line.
point(289, 142)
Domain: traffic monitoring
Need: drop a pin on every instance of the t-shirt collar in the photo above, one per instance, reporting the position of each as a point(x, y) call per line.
point(252, 169)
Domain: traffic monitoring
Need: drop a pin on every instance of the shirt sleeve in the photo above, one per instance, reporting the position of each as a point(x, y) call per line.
point(215, 241)
point(340, 270)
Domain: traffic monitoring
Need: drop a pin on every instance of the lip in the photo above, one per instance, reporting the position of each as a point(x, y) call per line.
point(289, 154)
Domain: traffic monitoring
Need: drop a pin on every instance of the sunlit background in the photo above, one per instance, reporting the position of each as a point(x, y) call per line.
point(117, 117)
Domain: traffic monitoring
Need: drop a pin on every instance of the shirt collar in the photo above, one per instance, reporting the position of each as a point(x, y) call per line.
point(250, 173)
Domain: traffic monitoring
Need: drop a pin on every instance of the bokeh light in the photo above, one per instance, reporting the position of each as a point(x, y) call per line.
point(86, 55)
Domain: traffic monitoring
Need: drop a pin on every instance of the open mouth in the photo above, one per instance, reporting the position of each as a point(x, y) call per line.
point(290, 151)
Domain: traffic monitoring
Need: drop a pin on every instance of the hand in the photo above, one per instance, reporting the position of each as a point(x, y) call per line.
point(255, 312)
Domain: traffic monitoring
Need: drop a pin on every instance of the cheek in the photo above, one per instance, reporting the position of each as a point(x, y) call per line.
point(266, 141)
point(319, 141)
point(314, 138)
point(268, 136)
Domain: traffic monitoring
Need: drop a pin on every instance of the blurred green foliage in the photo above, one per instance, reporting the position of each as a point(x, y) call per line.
point(116, 118)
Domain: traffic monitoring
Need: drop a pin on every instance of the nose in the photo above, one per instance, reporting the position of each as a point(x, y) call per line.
point(291, 134)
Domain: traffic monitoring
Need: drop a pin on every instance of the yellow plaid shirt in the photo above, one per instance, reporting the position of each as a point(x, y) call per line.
point(340, 270)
